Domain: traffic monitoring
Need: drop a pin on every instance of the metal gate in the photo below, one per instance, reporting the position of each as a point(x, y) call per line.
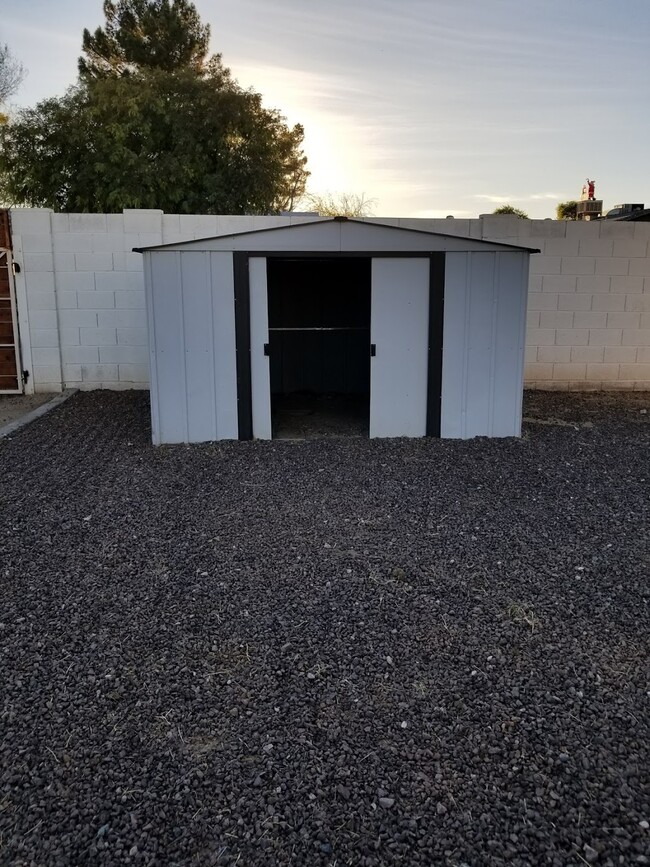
point(11, 379)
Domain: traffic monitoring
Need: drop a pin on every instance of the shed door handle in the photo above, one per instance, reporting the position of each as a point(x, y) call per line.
point(267, 349)
point(373, 349)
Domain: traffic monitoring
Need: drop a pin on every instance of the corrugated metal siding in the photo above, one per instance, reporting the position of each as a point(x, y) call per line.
point(225, 347)
point(260, 367)
point(399, 327)
point(338, 237)
point(191, 317)
point(510, 342)
point(484, 328)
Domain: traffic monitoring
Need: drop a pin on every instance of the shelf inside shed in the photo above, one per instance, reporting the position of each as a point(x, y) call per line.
point(319, 346)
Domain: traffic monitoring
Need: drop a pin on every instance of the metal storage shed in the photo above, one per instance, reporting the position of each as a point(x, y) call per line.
point(422, 333)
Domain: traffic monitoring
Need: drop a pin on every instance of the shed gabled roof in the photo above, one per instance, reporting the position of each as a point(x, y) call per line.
point(339, 234)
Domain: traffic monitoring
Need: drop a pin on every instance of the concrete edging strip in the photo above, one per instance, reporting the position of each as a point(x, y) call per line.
point(14, 426)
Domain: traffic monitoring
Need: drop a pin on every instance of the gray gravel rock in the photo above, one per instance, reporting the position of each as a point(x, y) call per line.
point(163, 609)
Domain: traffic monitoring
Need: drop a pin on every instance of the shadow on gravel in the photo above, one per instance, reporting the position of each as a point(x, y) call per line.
point(333, 652)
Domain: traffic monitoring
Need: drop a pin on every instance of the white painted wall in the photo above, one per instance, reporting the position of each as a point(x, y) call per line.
point(80, 291)
point(81, 308)
point(588, 321)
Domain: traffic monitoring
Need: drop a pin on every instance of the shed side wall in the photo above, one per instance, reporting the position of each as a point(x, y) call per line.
point(224, 343)
point(509, 335)
point(454, 356)
point(198, 346)
point(151, 331)
point(190, 301)
point(168, 351)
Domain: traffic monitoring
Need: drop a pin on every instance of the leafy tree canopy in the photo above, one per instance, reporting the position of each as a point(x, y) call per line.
point(142, 34)
point(171, 141)
point(510, 209)
point(143, 132)
point(566, 210)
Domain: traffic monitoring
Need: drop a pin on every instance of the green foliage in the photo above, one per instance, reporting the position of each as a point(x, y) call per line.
point(174, 141)
point(566, 210)
point(145, 34)
point(510, 209)
point(152, 125)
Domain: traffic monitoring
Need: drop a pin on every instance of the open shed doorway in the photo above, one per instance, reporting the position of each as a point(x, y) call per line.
point(319, 346)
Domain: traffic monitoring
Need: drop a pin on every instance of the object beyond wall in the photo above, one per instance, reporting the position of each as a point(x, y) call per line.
point(80, 294)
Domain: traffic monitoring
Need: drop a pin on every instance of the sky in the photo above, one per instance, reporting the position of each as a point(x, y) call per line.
point(428, 107)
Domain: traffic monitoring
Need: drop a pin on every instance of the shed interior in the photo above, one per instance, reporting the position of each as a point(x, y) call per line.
point(319, 346)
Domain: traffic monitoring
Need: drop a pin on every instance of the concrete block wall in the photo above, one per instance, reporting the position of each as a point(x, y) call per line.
point(588, 302)
point(80, 291)
point(81, 297)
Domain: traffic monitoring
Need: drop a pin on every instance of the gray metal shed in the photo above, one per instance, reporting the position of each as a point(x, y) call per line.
point(422, 334)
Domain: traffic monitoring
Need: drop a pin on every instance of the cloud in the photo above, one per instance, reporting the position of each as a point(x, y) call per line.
point(534, 197)
point(497, 200)
point(552, 196)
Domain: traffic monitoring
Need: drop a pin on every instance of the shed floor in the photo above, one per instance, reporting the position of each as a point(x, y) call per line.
point(309, 416)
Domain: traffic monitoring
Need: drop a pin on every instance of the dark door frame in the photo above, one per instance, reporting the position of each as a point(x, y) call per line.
point(243, 330)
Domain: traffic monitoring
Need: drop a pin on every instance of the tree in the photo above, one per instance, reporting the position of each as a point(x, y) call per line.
point(340, 204)
point(172, 141)
point(134, 133)
point(144, 34)
point(510, 209)
point(11, 73)
point(566, 210)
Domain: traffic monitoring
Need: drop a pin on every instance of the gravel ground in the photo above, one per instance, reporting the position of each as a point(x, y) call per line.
point(325, 653)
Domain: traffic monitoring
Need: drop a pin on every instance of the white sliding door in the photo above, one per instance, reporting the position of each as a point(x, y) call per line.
point(260, 366)
point(399, 330)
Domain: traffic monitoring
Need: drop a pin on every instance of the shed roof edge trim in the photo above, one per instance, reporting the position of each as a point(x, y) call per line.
point(335, 220)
